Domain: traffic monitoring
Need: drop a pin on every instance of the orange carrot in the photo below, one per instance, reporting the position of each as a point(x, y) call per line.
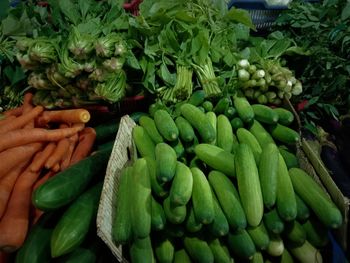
point(7, 120)
point(13, 157)
point(38, 163)
point(66, 116)
point(73, 140)
point(56, 168)
point(86, 142)
point(15, 222)
point(14, 112)
point(24, 136)
point(19, 122)
point(58, 153)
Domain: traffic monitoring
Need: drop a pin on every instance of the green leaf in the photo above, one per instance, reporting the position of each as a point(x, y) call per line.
point(167, 77)
point(346, 12)
point(4, 6)
point(279, 48)
point(84, 6)
point(241, 16)
point(14, 75)
point(132, 61)
point(70, 10)
point(312, 101)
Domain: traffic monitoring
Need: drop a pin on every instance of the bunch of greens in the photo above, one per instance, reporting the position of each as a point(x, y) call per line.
point(323, 29)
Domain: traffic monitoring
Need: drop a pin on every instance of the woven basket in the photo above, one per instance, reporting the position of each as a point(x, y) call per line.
point(123, 153)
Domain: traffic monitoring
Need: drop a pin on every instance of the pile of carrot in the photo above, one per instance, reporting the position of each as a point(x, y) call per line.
point(35, 144)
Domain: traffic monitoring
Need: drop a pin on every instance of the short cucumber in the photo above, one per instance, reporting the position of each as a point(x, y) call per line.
point(230, 112)
point(219, 227)
point(246, 137)
point(106, 131)
point(174, 230)
point(286, 257)
point(166, 161)
point(207, 105)
point(285, 117)
point(216, 158)
point(284, 134)
point(224, 133)
point(198, 250)
point(315, 198)
point(259, 236)
point(213, 120)
point(199, 121)
point(249, 188)
point(264, 114)
point(141, 199)
point(305, 253)
point(244, 109)
point(186, 131)
point(72, 228)
point(294, 233)
point(197, 97)
point(290, 158)
point(156, 106)
point(222, 105)
point(141, 250)
point(80, 254)
point(257, 258)
point(202, 199)
point(192, 224)
point(219, 252)
point(121, 228)
point(268, 170)
point(285, 200)
point(276, 245)
point(144, 144)
point(229, 200)
point(174, 214)
point(164, 249)
point(158, 219)
point(241, 244)
point(178, 148)
point(166, 125)
point(303, 211)
point(149, 125)
point(135, 116)
point(181, 186)
point(181, 256)
point(273, 221)
point(159, 189)
point(316, 233)
point(260, 133)
point(236, 123)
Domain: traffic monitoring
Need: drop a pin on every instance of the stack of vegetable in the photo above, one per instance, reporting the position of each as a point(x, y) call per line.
point(208, 188)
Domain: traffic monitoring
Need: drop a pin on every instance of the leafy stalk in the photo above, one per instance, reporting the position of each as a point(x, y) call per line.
point(113, 89)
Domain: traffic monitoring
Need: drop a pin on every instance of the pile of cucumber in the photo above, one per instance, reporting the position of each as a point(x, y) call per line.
point(217, 182)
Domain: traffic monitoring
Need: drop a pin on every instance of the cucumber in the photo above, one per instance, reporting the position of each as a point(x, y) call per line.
point(158, 219)
point(306, 253)
point(295, 233)
point(186, 131)
point(106, 131)
point(181, 256)
point(285, 201)
point(67, 185)
point(244, 109)
point(192, 224)
point(284, 134)
point(219, 227)
point(273, 222)
point(315, 232)
point(276, 245)
point(230, 113)
point(197, 98)
point(178, 148)
point(199, 121)
point(219, 252)
point(290, 158)
point(228, 198)
point(224, 137)
point(202, 198)
point(265, 114)
point(246, 137)
point(222, 105)
point(315, 198)
point(80, 254)
point(174, 214)
point(156, 106)
point(303, 212)
point(236, 123)
point(268, 170)
point(135, 116)
point(164, 249)
point(174, 230)
point(285, 117)
point(181, 186)
point(213, 121)
point(241, 244)
point(189, 147)
point(166, 125)
point(259, 236)
point(261, 134)
point(144, 144)
point(166, 161)
point(216, 158)
point(159, 189)
point(149, 125)
point(141, 251)
point(198, 250)
point(72, 228)
point(121, 228)
point(141, 199)
point(257, 258)
point(286, 257)
point(207, 105)
point(249, 185)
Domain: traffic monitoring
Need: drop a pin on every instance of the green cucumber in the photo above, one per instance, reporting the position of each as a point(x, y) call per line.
point(246, 137)
point(230, 112)
point(164, 249)
point(265, 114)
point(222, 105)
point(213, 120)
point(207, 105)
point(294, 233)
point(73, 227)
point(273, 222)
point(181, 186)
point(181, 256)
point(236, 123)
point(144, 144)
point(178, 148)
point(186, 131)
point(285, 117)
point(216, 158)
point(224, 137)
point(249, 184)
point(219, 252)
point(141, 251)
point(316, 233)
point(241, 244)
point(229, 200)
point(135, 116)
point(259, 236)
point(166, 125)
point(192, 224)
point(286, 257)
point(159, 189)
point(156, 106)
point(261, 134)
point(276, 245)
point(199, 121)
point(149, 125)
point(106, 131)
point(257, 258)
point(174, 214)
point(290, 158)
point(219, 227)
point(303, 212)
point(197, 98)
point(198, 250)
point(166, 161)
point(284, 134)
point(202, 199)
point(244, 109)
point(158, 219)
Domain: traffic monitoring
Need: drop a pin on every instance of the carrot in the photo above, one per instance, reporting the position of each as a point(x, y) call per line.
point(7, 120)
point(86, 142)
point(14, 112)
point(66, 116)
point(19, 122)
point(13, 157)
point(20, 137)
point(38, 163)
point(58, 153)
point(27, 107)
point(15, 222)
point(73, 140)
point(56, 168)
